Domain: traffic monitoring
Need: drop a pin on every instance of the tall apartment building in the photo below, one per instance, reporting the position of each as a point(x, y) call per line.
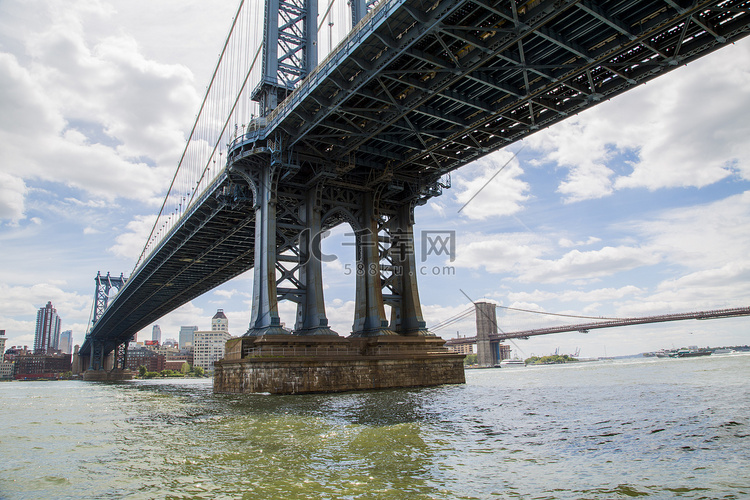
point(47, 336)
point(209, 345)
point(66, 342)
point(156, 334)
point(187, 336)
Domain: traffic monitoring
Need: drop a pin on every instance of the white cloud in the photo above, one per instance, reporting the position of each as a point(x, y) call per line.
point(680, 136)
point(501, 253)
point(129, 244)
point(567, 243)
point(12, 193)
point(525, 256)
point(134, 110)
point(491, 187)
point(701, 236)
point(577, 265)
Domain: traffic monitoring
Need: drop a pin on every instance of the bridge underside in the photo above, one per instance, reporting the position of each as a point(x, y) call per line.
point(417, 90)
point(426, 87)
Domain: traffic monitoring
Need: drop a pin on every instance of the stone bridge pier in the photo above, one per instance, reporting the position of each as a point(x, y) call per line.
point(380, 351)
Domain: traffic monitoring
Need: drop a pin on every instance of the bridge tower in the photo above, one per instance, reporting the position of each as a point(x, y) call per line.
point(294, 204)
point(97, 359)
point(384, 231)
point(486, 318)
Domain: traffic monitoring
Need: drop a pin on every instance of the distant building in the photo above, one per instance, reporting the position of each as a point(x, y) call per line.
point(7, 370)
point(142, 356)
point(49, 366)
point(6, 367)
point(462, 348)
point(156, 334)
point(219, 322)
point(47, 336)
point(66, 342)
point(209, 348)
point(15, 351)
point(209, 345)
point(187, 334)
point(170, 343)
point(175, 359)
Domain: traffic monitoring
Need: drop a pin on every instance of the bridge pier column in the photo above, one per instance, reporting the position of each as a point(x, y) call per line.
point(311, 308)
point(125, 356)
point(369, 310)
point(406, 310)
point(265, 313)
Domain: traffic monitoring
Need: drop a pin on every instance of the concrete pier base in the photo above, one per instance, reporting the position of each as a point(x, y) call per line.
point(104, 375)
point(289, 364)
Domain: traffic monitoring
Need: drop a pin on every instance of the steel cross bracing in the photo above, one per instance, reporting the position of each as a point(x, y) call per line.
point(415, 91)
point(104, 286)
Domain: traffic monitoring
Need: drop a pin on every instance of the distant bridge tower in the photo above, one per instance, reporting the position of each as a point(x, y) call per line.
point(104, 287)
point(486, 325)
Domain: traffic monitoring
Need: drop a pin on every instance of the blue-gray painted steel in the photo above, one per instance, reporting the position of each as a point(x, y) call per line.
point(418, 90)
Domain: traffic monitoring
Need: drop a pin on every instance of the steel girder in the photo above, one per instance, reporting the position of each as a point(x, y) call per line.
point(429, 87)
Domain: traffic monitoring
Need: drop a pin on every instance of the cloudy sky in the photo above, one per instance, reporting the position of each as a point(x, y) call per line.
point(640, 206)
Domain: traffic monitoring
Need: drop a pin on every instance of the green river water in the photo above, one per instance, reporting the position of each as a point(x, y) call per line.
point(658, 428)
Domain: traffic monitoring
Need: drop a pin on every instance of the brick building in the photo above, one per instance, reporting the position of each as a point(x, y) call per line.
point(44, 366)
point(141, 356)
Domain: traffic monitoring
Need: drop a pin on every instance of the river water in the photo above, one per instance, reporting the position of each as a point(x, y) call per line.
point(660, 428)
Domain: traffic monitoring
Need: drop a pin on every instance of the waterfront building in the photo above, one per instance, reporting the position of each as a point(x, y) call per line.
point(462, 348)
point(187, 334)
point(15, 351)
point(156, 334)
point(176, 359)
point(47, 336)
point(7, 369)
point(209, 345)
point(143, 356)
point(42, 366)
point(209, 348)
point(66, 342)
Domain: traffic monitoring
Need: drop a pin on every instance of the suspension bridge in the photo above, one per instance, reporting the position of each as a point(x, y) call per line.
point(489, 335)
point(284, 148)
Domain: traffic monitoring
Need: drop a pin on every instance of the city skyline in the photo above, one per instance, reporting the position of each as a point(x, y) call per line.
point(636, 207)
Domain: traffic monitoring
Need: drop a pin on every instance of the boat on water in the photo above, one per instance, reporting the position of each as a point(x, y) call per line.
point(512, 362)
point(690, 353)
point(665, 353)
point(724, 351)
